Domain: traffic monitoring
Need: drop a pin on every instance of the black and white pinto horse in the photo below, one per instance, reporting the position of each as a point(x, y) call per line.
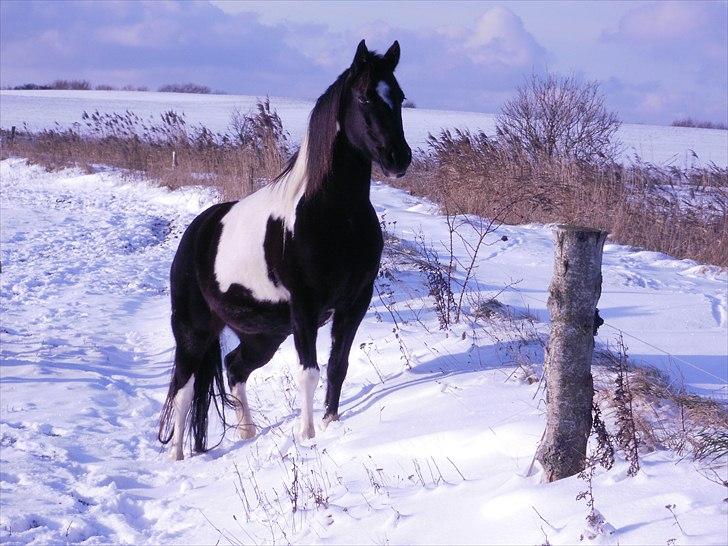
point(287, 258)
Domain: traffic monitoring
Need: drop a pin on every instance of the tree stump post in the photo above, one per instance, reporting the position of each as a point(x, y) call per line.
point(573, 295)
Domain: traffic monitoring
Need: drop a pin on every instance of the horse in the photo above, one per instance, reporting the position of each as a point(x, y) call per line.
point(286, 259)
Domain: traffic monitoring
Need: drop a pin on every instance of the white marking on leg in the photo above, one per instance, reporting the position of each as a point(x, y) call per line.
point(307, 382)
point(246, 427)
point(182, 403)
point(383, 92)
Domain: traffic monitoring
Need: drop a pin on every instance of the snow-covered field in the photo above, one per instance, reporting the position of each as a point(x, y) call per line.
point(437, 432)
point(41, 109)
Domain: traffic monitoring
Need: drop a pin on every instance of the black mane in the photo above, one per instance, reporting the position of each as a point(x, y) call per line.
point(322, 130)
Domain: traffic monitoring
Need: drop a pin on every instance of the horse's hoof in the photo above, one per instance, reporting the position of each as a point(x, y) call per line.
point(246, 432)
point(328, 418)
point(307, 432)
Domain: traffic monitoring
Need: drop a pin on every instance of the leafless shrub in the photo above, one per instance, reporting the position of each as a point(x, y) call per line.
point(558, 116)
point(184, 88)
point(626, 435)
point(81, 85)
point(408, 104)
point(135, 88)
point(595, 523)
point(663, 414)
point(32, 87)
point(105, 87)
point(690, 122)
point(604, 452)
point(713, 445)
point(438, 283)
point(682, 212)
point(386, 297)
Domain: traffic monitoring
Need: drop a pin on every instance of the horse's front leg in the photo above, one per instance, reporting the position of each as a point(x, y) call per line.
point(304, 318)
point(343, 330)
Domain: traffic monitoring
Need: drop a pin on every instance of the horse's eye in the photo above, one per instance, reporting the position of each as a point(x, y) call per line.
point(363, 99)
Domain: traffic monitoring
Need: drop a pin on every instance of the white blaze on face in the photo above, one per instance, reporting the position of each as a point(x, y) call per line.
point(383, 92)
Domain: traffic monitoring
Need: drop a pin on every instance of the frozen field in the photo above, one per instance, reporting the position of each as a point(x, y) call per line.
point(437, 433)
point(39, 109)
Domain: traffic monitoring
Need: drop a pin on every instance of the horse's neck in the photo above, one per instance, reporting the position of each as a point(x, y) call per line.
point(350, 176)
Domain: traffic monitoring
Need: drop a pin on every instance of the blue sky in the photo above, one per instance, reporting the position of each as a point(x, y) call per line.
point(657, 61)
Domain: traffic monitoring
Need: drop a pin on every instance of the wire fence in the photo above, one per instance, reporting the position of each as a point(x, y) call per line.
point(720, 392)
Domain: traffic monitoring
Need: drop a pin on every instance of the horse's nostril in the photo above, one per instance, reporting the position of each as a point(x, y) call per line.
point(393, 156)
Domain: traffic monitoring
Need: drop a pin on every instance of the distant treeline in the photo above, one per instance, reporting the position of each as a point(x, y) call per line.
point(85, 85)
point(690, 122)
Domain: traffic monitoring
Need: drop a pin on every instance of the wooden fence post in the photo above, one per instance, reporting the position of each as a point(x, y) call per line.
point(573, 295)
point(174, 159)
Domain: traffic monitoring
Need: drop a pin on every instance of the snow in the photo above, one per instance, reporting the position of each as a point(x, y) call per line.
point(436, 435)
point(41, 109)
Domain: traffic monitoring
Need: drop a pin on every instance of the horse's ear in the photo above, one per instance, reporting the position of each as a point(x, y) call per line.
point(391, 57)
point(360, 57)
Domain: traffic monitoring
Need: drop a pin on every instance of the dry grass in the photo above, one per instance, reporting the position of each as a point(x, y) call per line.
point(252, 152)
point(683, 213)
point(665, 415)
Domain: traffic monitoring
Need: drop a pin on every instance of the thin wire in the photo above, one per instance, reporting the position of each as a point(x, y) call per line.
point(698, 368)
point(723, 380)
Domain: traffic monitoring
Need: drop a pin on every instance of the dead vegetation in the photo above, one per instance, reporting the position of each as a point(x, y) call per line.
point(649, 411)
point(559, 116)
point(690, 122)
point(637, 408)
point(167, 149)
point(185, 88)
point(683, 213)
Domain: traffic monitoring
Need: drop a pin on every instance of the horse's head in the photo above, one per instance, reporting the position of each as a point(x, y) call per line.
point(372, 113)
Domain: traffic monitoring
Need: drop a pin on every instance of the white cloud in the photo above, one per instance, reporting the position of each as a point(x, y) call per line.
point(499, 37)
point(673, 26)
point(662, 59)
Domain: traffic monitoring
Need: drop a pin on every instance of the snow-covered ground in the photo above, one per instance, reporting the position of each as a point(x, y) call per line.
point(41, 109)
point(437, 433)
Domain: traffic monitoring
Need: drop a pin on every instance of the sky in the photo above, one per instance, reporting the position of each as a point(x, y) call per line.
point(656, 61)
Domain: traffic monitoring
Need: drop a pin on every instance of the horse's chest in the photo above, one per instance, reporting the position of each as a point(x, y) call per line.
point(349, 246)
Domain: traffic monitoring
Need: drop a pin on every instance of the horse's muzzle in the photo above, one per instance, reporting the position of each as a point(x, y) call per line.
point(396, 160)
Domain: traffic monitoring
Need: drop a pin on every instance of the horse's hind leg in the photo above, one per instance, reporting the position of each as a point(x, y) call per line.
point(254, 351)
point(181, 408)
point(196, 349)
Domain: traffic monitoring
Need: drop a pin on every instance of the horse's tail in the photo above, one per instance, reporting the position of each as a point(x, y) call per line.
point(198, 352)
point(210, 378)
point(209, 386)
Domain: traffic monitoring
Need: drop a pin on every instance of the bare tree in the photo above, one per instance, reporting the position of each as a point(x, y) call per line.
point(559, 117)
